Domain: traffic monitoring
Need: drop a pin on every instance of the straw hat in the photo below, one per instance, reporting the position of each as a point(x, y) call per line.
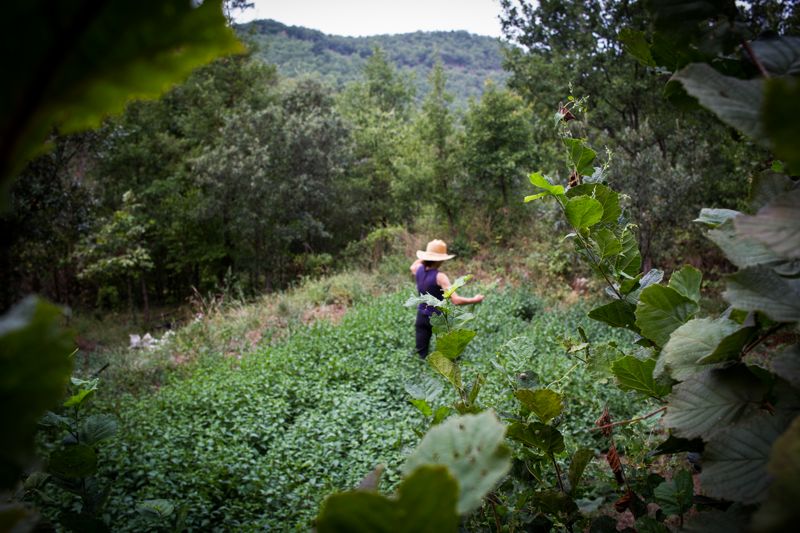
point(436, 250)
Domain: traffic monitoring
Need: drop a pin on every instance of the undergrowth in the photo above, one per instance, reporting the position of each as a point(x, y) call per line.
point(257, 442)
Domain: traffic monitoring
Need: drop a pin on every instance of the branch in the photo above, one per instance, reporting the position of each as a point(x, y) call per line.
point(754, 58)
point(632, 420)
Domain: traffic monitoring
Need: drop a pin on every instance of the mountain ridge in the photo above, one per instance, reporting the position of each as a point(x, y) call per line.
point(468, 59)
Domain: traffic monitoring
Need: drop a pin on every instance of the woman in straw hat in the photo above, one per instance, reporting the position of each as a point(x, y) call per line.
point(433, 282)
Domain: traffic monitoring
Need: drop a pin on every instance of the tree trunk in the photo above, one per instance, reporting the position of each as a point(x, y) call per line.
point(145, 302)
point(130, 300)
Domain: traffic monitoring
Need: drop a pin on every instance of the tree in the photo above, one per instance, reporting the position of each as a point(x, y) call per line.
point(437, 133)
point(497, 146)
point(117, 251)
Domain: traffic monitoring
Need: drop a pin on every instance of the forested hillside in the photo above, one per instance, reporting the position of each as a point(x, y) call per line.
point(468, 59)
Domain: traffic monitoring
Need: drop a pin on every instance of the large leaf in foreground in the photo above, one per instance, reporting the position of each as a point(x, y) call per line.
point(675, 496)
point(34, 371)
point(544, 403)
point(544, 438)
point(453, 343)
point(86, 60)
point(710, 400)
point(608, 198)
point(781, 511)
point(472, 447)
point(761, 289)
point(700, 339)
point(777, 225)
point(735, 459)
point(426, 501)
point(618, 313)
point(583, 211)
point(735, 101)
point(687, 282)
point(661, 310)
point(637, 375)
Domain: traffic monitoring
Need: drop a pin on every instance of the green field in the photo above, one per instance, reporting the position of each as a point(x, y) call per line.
point(258, 443)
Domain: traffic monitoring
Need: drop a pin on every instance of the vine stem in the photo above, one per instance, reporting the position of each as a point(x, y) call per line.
point(592, 258)
point(631, 421)
point(567, 373)
point(558, 473)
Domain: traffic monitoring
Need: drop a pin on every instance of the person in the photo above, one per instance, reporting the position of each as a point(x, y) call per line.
point(429, 280)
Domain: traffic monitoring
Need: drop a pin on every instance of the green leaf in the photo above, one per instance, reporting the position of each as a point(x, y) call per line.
point(545, 438)
point(635, 44)
point(452, 344)
point(606, 243)
point(34, 369)
point(156, 509)
point(532, 197)
point(735, 101)
point(583, 211)
point(76, 461)
point(780, 512)
point(735, 459)
point(619, 314)
point(544, 403)
point(710, 400)
point(109, 55)
point(661, 310)
point(475, 389)
point(538, 180)
point(637, 375)
point(457, 284)
point(581, 156)
point(77, 399)
point(715, 217)
point(422, 406)
point(608, 198)
point(700, 339)
point(97, 428)
point(471, 446)
point(580, 460)
point(741, 251)
point(441, 414)
point(777, 225)
point(675, 496)
point(781, 116)
point(780, 56)
point(553, 502)
point(687, 282)
point(761, 289)
point(426, 501)
point(446, 368)
point(630, 260)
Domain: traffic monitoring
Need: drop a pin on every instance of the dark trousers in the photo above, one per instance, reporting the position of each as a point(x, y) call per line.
point(424, 333)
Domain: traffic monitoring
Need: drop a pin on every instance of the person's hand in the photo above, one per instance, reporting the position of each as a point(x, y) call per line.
point(478, 298)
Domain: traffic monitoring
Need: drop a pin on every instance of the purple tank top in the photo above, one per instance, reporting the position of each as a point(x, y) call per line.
point(426, 283)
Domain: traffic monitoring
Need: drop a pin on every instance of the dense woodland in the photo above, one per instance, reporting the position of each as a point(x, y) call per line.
point(621, 178)
point(241, 175)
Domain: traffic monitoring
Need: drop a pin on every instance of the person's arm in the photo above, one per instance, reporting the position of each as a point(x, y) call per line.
point(415, 266)
point(444, 282)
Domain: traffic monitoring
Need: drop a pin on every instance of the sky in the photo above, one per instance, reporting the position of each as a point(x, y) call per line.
point(374, 17)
